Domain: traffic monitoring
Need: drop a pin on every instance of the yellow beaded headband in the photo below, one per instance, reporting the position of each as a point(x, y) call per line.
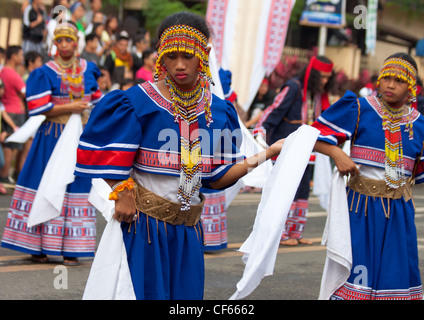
point(397, 67)
point(186, 39)
point(66, 30)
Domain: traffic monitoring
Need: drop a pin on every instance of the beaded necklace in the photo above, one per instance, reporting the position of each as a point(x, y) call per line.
point(391, 120)
point(72, 79)
point(394, 164)
point(186, 104)
point(185, 113)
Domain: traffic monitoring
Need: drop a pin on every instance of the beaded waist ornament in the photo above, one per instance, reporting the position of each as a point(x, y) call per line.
point(182, 38)
point(72, 83)
point(392, 117)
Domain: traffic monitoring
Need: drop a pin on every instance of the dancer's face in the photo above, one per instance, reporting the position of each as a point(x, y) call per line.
point(183, 67)
point(394, 90)
point(65, 47)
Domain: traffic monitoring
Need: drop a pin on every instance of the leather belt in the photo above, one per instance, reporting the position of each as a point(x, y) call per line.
point(378, 188)
point(165, 210)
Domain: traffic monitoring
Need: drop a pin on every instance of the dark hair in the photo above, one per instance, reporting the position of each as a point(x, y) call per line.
point(315, 78)
point(31, 56)
point(140, 35)
point(90, 37)
point(12, 50)
point(95, 26)
point(185, 18)
point(406, 57)
point(147, 53)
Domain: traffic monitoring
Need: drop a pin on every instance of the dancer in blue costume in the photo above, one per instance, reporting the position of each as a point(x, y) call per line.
point(386, 156)
point(165, 138)
point(61, 87)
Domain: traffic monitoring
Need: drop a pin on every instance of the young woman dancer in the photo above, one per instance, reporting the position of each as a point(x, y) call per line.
point(156, 144)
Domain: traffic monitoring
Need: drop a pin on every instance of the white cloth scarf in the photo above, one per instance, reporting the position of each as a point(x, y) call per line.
point(58, 173)
point(260, 248)
point(336, 237)
point(109, 277)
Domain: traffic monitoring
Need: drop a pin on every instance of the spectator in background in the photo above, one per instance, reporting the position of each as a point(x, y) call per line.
point(98, 29)
point(264, 98)
point(33, 60)
point(146, 72)
point(34, 27)
point(104, 81)
point(370, 87)
point(13, 100)
point(77, 13)
point(141, 43)
point(108, 34)
point(3, 133)
point(90, 51)
point(119, 62)
point(95, 6)
point(98, 17)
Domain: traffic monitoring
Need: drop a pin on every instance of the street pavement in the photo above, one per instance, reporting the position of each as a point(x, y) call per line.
point(297, 272)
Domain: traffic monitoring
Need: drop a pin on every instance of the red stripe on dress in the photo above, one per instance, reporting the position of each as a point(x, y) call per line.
point(36, 103)
point(105, 158)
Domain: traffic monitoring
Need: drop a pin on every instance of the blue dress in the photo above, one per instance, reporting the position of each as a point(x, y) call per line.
point(73, 234)
point(383, 233)
point(132, 132)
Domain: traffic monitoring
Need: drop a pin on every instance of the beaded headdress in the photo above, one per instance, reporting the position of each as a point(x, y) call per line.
point(392, 117)
point(66, 30)
point(182, 38)
point(402, 69)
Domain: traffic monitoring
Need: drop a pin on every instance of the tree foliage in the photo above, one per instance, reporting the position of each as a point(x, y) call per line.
point(414, 8)
point(157, 10)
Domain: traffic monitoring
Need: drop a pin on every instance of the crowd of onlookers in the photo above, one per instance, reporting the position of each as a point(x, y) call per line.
point(123, 61)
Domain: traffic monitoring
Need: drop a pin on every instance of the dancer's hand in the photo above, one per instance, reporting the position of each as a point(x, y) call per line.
point(125, 209)
point(345, 164)
point(79, 106)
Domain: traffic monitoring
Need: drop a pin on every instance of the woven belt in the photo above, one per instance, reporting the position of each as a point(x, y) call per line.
point(292, 121)
point(378, 188)
point(165, 210)
point(63, 118)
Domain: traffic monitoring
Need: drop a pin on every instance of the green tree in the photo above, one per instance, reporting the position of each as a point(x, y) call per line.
point(414, 8)
point(157, 10)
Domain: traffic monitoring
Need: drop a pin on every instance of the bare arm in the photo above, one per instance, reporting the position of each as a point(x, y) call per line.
point(125, 208)
point(240, 169)
point(343, 162)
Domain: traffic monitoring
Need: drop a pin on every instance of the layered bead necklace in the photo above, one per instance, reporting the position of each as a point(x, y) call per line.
point(392, 118)
point(188, 104)
point(72, 83)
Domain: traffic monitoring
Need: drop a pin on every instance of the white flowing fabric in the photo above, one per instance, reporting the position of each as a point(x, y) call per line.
point(58, 173)
point(261, 246)
point(28, 129)
point(245, 33)
point(322, 179)
point(336, 237)
point(249, 146)
point(109, 277)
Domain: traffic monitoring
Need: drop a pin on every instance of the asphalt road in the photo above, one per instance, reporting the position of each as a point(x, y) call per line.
point(297, 272)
